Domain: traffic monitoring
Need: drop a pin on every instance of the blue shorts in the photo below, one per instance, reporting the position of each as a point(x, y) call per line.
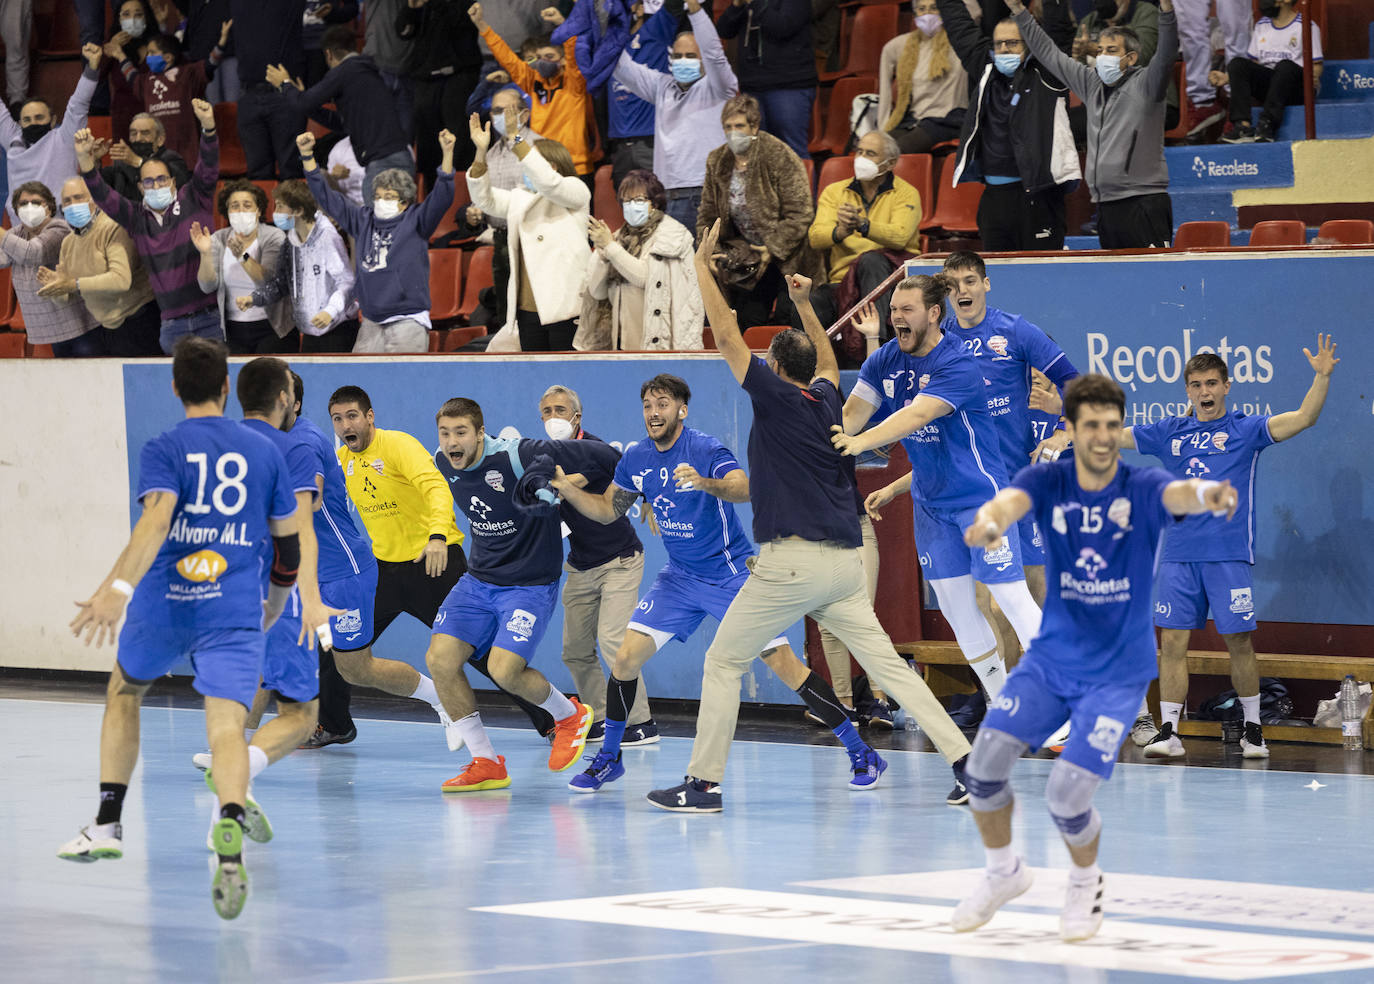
point(354, 594)
point(492, 616)
point(227, 662)
point(292, 670)
point(677, 602)
point(1036, 700)
point(1032, 543)
point(1184, 592)
point(943, 553)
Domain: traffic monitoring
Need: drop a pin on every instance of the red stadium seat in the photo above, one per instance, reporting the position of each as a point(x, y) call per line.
point(1279, 232)
point(9, 304)
point(760, 337)
point(956, 206)
point(11, 344)
point(835, 169)
point(478, 276)
point(56, 31)
point(1200, 235)
point(864, 35)
point(810, 166)
point(917, 170)
point(461, 199)
point(605, 203)
point(38, 351)
point(445, 285)
point(837, 130)
point(1351, 232)
point(232, 162)
point(101, 128)
point(708, 340)
point(456, 338)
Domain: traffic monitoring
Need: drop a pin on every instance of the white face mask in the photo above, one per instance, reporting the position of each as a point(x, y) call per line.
point(558, 429)
point(385, 208)
point(865, 169)
point(32, 214)
point(243, 223)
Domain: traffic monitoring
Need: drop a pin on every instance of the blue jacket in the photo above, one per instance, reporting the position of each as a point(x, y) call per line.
point(597, 51)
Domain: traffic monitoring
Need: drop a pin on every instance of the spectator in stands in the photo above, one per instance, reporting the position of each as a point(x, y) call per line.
point(137, 25)
point(204, 20)
point(687, 102)
point(630, 119)
point(16, 27)
point(147, 142)
point(268, 34)
point(319, 16)
point(759, 188)
point(557, 89)
point(1271, 71)
point(1127, 176)
point(385, 46)
point(34, 242)
point(642, 292)
point(391, 242)
point(546, 234)
point(1140, 16)
point(1195, 40)
point(234, 261)
point(345, 174)
point(1026, 158)
point(365, 104)
point(99, 266)
point(866, 227)
point(776, 64)
point(314, 275)
point(444, 64)
point(922, 88)
point(169, 85)
point(161, 227)
point(37, 148)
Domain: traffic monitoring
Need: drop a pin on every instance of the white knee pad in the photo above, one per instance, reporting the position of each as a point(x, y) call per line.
point(989, 767)
point(1069, 796)
point(959, 604)
point(1018, 605)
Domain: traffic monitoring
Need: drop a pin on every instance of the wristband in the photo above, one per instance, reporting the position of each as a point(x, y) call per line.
point(325, 637)
point(1203, 487)
point(123, 587)
point(438, 536)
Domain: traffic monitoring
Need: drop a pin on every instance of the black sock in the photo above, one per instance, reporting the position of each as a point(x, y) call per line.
point(820, 697)
point(232, 811)
point(111, 802)
point(620, 697)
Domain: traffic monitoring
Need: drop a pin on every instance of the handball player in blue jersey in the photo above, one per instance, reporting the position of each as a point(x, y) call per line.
point(212, 492)
point(1207, 564)
point(1094, 655)
point(691, 481)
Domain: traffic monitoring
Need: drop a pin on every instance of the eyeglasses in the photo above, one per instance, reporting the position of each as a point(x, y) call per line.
point(636, 201)
point(1013, 45)
point(159, 182)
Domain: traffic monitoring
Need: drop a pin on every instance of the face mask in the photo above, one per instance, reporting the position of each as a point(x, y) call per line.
point(34, 132)
point(156, 63)
point(740, 142)
point(498, 123)
point(1007, 63)
point(928, 24)
point(685, 70)
point(32, 215)
point(243, 222)
point(385, 208)
point(865, 169)
point(78, 216)
point(636, 213)
point(558, 429)
point(158, 198)
point(284, 221)
point(547, 69)
point(143, 148)
point(1109, 69)
point(133, 25)
point(1270, 10)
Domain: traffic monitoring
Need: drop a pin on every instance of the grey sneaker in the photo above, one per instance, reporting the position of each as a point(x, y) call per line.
point(1144, 731)
point(321, 738)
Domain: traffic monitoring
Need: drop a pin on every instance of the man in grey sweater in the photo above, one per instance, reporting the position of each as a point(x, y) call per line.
point(1126, 173)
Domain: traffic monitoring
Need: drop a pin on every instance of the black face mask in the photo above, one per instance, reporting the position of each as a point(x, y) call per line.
point(143, 148)
point(1105, 9)
point(34, 133)
point(1270, 10)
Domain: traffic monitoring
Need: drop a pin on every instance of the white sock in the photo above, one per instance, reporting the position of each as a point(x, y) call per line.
point(1084, 876)
point(558, 705)
point(424, 690)
point(475, 736)
point(257, 761)
point(992, 672)
point(1001, 860)
point(1250, 706)
point(1144, 709)
point(1170, 712)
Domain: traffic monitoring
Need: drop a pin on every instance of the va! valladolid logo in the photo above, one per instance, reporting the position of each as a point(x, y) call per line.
point(1224, 169)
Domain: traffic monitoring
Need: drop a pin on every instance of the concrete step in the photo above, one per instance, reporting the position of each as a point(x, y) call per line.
point(1335, 120)
point(1081, 242)
point(1347, 80)
point(1196, 206)
point(1223, 167)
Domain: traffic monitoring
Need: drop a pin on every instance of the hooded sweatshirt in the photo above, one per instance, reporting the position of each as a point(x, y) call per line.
point(315, 275)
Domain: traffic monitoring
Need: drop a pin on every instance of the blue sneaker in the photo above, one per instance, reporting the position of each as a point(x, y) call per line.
point(868, 768)
point(598, 732)
point(876, 714)
point(604, 768)
point(640, 734)
point(693, 796)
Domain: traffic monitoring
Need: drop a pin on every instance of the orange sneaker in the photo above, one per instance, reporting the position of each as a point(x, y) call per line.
point(569, 737)
point(481, 773)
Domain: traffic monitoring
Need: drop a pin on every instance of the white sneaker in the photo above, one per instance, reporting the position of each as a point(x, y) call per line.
point(1252, 744)
point(201, 760)
point(1082, 916)
point(1166, 744)
point(97, 841)
point(1143, 732)
point(993, 892)
point(452, 735)
point(1057, 740)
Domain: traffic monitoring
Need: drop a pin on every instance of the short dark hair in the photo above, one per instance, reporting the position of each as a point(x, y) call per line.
point(168, 44)
point(966, 259)
point(233, 188)
point(652, 187)
point(200, 367)
point(1205, 362)
point(340, 38)
point(351, 394)
point(461, 406)
point(668, 384)
point(260, 382)
point(34, 188)
point(1094, 389)
point(295, 194)
point(298, 387)
point(795, 354)
point(1130, 40)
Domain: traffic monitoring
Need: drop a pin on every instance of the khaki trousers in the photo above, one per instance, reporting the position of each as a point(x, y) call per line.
point(792, 578)
point(597, 605)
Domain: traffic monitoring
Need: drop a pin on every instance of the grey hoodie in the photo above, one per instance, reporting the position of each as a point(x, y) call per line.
point(1125, 121)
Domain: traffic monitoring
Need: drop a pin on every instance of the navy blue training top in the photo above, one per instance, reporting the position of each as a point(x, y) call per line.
point(591, 544)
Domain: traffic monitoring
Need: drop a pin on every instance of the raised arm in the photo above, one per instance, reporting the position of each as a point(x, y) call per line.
point(333, 204)
point(724, 325)
point(1079, 77)
point(1161, 67)
point(206, 172)
point(1282, 426)
point(970, 44)
point(715, 67)
point(799, 289)
point(436, 203)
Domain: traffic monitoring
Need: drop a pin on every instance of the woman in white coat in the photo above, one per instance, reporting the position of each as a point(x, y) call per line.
point(546, 234)
point(642, 292)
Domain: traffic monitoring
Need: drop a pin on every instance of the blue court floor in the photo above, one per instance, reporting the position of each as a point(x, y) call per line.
point(375, 876)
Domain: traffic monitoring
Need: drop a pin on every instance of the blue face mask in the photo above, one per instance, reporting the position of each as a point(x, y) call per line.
point(159, 198)
point(1109, 69)
point(636, 212)
point(284, 221)
point(78, 216)
point(1007, 63)
point(498, 123)
point(685, 70)
point(156, 63)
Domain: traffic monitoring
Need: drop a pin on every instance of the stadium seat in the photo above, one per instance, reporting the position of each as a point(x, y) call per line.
point(456, 338)
point(810, 166)
point(17, 320)
point(232, 162)
point(101, 128)
point(1351, 232)
point(708, 340)
point(9, 304)
point(478, 276)
point(56, 31)
point(445, 285)
point(1200, 235)
point(11, 344)
point(836, 134)
point(918, 170)
point(605, 203)
point(760, 337)
point(835, 169)
point(37, 351)
point(956, 206)
point(461, 199)
point(1279, 232)
point(871, 27)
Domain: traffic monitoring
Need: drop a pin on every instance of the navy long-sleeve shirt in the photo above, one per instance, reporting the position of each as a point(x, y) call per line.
point(591, 543)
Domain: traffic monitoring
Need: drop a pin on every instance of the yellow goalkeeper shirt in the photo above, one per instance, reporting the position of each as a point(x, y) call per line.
point(398, 491)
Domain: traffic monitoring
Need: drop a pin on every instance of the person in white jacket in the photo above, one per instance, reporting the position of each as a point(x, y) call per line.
point(642, 292)
point(315, 273)
point(547, 238)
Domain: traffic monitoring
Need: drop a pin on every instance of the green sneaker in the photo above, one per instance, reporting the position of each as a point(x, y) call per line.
point(255, 822)
point(229, 890)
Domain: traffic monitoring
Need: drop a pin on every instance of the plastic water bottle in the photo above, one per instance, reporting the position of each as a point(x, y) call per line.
point(904, 721)
point(1350, 714)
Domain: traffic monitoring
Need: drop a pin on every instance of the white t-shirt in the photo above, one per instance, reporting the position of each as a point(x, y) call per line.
point(238, 284)
point(350, 187)
point(1270, 45)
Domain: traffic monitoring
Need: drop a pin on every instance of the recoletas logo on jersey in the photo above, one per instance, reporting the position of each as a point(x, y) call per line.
point(495, 480)
point(1091, 562)
point(1197, 468)
point(480, 507)
point(203, 565)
